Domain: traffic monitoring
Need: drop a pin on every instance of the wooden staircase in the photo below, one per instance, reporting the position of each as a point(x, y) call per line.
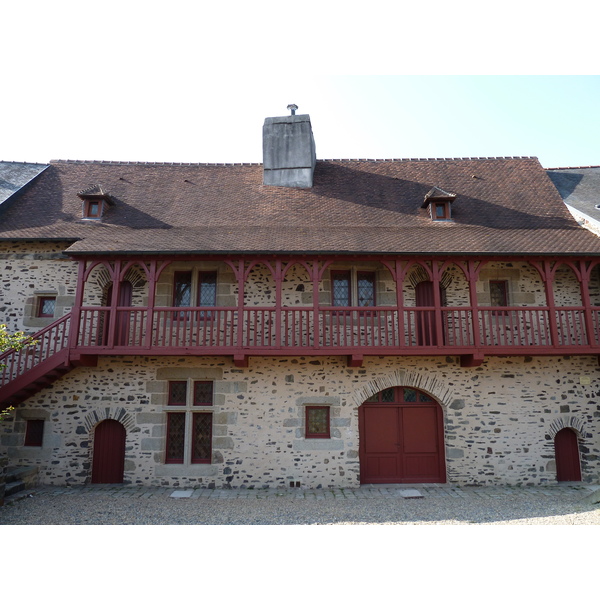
point(37, 366)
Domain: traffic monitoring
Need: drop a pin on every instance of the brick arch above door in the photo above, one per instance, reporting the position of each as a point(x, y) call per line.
point(116, 414)
point(430, 384)
point(575, 423)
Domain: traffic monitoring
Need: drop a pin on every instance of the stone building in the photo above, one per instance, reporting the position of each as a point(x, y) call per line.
point(300, 322)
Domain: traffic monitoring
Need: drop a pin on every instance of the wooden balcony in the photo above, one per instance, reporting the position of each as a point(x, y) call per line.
point(339, 331)
point(471, 333)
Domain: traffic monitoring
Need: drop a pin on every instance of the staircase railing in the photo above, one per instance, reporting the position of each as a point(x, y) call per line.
point(48, 342)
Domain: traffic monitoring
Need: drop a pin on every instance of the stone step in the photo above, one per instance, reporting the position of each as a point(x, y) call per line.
point(14, 487)
point(20, 474)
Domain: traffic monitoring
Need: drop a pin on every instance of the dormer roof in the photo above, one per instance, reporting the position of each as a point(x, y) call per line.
point(437, 193)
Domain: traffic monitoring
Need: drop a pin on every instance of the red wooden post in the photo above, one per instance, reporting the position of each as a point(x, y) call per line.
point(151, 302)
point(76, 310)
point(114, 301)
point(437, 303)
point(278, 284)
point(316, 317)
point(552, 315)
point(399, 278)
point(585, 271)
point(241, 277)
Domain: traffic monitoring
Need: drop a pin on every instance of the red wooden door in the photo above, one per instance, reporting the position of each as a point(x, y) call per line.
point(401, 438)
point(426, 333)
point(566, 450)
point(124, 298)
point(109, 452)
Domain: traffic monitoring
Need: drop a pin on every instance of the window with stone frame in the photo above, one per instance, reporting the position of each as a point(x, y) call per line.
point(46, 306)
point(34, 432)
point(317, 419)
point(499, 295)
point(189, 428)
point(197, 288)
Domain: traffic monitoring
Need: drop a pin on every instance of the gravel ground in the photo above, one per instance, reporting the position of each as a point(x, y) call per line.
point(441, 505)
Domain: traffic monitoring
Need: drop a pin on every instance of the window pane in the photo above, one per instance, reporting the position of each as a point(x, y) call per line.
point(424, 397)
point(374, 398)
point(182, 292)
point(317, 421)
point(202, 437)
point(34, 434)
point(47, 306)
point(410, 395)
point(175, 437)
point(207, 289)
point(177, 393)
point(498, 293)
point(203, 393)
point(366, 289)
point(387, 395)
point(340, 281)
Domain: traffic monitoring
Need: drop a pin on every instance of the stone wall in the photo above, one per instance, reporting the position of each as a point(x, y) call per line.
point(29, 271)
point(499, 419)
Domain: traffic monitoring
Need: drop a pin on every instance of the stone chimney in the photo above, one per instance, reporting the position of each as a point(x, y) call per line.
point(288, 151)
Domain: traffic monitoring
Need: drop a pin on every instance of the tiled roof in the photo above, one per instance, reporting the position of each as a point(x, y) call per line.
point(502, 206)
point(15, 175)
point(579, 187)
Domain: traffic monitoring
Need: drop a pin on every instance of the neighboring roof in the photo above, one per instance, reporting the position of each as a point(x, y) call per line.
point(502, 206)
point(579, 187)
point(15, 175)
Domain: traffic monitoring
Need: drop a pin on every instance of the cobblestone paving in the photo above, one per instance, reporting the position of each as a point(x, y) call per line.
point(422, 504)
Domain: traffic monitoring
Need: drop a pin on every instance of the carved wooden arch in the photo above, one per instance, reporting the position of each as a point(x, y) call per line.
point(129, 266)
point(105, 263)
point(571, 264)
point(293, 263)
point(115, 413)
point(428, 383)
point(570, 422)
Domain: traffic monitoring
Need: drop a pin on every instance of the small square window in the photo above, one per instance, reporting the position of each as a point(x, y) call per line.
point(46, 306)
point(34, 433)
point(317, 422)
point(177, 393)
point(440, 211)
point(203, 393)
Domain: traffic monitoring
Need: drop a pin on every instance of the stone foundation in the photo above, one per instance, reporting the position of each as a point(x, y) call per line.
point(499, 419)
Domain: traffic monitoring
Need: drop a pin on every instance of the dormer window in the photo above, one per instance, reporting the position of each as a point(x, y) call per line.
point(95, 202)
point(439, 203)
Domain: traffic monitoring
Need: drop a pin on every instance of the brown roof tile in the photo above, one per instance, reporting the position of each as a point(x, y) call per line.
point(502, 206)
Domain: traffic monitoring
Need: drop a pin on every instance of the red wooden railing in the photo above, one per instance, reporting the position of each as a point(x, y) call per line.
point(48, 342)
point(335, 330)
point(339, 328)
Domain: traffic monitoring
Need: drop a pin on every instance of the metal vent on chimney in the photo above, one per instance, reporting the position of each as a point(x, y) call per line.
point(293, 108)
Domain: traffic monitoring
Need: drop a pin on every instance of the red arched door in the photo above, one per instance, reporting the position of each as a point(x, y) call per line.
point(109, 452)
point(566, 451)
point(401, 438)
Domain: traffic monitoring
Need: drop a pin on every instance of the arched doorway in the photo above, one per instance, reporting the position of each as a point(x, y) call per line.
point(109, 452)
point(566, 452)
point(401, 438)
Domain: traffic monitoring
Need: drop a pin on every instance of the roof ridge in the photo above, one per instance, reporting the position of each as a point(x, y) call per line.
point(565, 168)
point(256, 164)
point(466, 158)
point(22, 162)
point(134, 162)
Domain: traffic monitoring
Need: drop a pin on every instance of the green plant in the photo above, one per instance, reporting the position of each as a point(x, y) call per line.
point(5, 412)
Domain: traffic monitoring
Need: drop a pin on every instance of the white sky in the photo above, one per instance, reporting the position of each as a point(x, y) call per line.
point(193, 81)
